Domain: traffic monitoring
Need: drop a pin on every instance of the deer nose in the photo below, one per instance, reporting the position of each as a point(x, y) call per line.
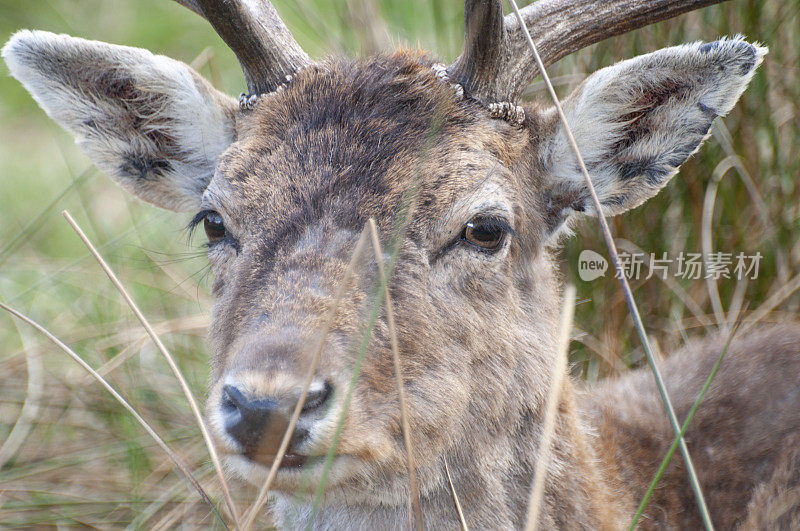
point(259, 423)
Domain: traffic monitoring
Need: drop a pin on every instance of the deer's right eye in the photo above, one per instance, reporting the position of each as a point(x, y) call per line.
point(215, 228)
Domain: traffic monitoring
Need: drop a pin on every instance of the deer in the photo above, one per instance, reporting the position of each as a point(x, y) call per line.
point(476, 189)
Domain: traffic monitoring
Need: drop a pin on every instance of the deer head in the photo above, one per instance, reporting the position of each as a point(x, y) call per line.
point(470, 194)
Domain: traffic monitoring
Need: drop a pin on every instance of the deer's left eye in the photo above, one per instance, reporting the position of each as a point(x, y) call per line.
point(487, 234)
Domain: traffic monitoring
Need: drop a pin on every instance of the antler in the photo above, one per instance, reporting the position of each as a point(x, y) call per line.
point(558, 27)
point(259, 38)
point(485, 49)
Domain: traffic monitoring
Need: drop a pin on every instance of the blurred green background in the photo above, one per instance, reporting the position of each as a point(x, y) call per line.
point(72, 456)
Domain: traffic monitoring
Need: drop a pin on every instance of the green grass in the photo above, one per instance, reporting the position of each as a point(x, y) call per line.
point(85, 461)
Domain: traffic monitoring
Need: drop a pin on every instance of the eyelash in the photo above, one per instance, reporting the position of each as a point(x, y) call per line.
point(197, 220)
point(498, 223)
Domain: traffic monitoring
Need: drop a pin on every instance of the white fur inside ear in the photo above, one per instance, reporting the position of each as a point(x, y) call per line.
point(152, 123)
point(636, 122)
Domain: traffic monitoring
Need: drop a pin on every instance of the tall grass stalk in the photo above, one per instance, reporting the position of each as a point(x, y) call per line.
point(769, 305)
point(626, 289)
point(404, 216)
point(401, 392)
point(453, 494)
point(550, 410)
point(377, 302)
point(212, 450)
point(664, 462)
point(183, 467)
point(31, 405)
point(312, 370)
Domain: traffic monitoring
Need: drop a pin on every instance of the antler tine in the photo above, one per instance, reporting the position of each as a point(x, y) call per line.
point(190, 4)
point(559, 28)
point(261, 41)
point(485, 52)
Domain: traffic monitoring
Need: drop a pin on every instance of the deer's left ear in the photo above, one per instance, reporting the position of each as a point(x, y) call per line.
point(636, 122)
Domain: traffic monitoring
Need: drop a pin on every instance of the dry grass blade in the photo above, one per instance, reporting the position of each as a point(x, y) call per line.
point(626, 289)
point(551, 408)
point(461, 519)
point(273, 471)
point(170, 360)
point(208, 57)
point(672, 284)
point(127, 352)
point(770, 304)
point(665, 461)
point(737, 300)
point(183, 467)
point(770, 230)
point(171, 519)
point(143, 516)
point(723, 136)
point(404, 217)
point(412, 474)
point(612, 359)
point(30, 408)
point(706, 240)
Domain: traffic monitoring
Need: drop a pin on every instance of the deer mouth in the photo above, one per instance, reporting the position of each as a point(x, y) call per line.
point(288, 461)
point(293, 461)
point(297, 473)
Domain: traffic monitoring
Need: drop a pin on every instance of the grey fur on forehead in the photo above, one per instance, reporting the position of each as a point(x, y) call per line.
point(511, 113)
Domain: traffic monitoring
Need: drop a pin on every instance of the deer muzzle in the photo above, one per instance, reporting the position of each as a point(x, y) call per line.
point(256, 422)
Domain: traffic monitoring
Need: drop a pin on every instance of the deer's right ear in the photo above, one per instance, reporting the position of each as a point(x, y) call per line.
point(637, 121)
point(153, 124)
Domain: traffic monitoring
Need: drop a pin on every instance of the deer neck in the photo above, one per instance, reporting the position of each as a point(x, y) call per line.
point(580, 486)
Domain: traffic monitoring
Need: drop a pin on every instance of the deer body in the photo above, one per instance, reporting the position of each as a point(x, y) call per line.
point(473, 205)
point(744, 439)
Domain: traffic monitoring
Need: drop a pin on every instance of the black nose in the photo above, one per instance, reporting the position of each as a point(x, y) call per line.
point(253, 421)
point(245, 418)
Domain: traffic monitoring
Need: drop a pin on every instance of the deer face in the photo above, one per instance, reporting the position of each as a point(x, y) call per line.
point(345, 142)
point(469, 204)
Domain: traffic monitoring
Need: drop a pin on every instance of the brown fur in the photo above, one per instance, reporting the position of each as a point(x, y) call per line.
point(743, 439)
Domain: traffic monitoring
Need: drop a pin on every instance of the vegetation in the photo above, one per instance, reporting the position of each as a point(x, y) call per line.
point(73, 456)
